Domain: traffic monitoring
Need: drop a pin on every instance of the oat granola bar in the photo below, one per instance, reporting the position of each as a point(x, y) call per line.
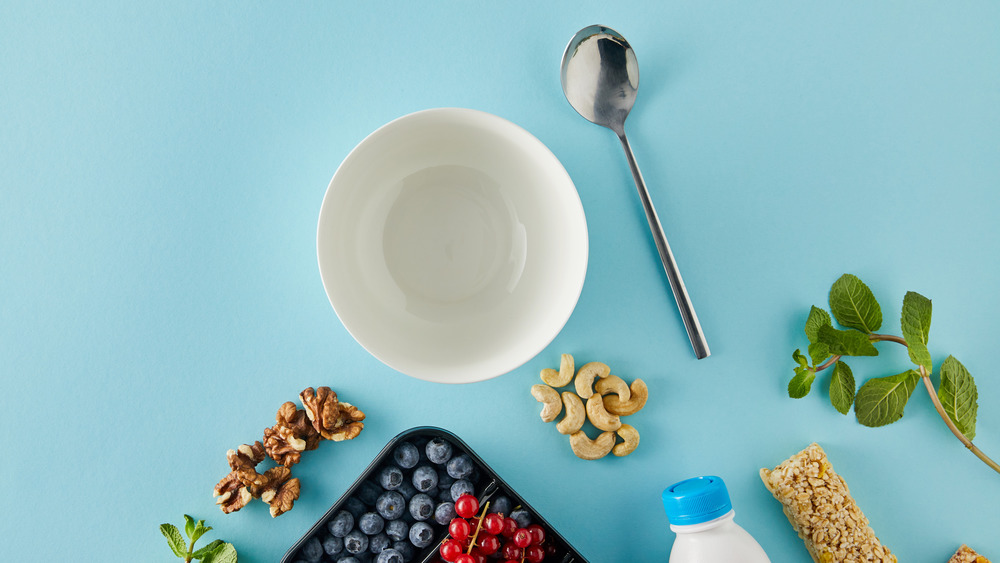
point(965, 554)
point(822, 511)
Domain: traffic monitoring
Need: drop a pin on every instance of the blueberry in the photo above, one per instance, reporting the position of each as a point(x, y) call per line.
point(333, 545)
point(444, 513)
point(421, 535)
point(460, 466)
point(398, 530)
point(355, 507)
point(378, 543)
point(407, 490)
point(406, 455)
point(371, 523)
point(341, 524)
point(522, 517)
point(390, 505)
point(355, 542)
point(444, 494)
point(312, 550)
point(391, 477)
point(389, 556)
point(461, 487)
point(348, 560)
point(368, 493)
point(405, 549)
point(438, 451)
point(501, 505)
point(445, 480)
point(424, 478)
point(421, 507)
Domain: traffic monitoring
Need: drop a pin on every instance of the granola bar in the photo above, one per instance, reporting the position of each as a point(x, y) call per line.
point(822, 511)
point(965, 554)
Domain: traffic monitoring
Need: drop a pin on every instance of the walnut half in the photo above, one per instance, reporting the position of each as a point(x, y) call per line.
point(282, 445)
point(232, 495)
point(283, 498)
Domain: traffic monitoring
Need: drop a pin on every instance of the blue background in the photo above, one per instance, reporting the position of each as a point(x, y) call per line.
point(161, 172)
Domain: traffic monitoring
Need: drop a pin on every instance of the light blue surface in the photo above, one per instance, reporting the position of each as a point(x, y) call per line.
point(161, 172)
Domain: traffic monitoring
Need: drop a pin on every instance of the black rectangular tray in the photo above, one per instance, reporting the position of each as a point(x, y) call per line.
point(488, 485)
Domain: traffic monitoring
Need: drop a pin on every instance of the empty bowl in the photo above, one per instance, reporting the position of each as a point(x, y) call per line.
point(452, 245)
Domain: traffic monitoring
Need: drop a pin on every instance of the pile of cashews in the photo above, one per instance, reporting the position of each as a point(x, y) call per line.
point(608, 399)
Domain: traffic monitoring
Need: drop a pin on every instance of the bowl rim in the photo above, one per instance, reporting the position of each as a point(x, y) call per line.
point(575, 289)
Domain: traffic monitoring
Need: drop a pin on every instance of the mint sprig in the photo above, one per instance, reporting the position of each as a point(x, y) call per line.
point(881, 400)
point(216, 551)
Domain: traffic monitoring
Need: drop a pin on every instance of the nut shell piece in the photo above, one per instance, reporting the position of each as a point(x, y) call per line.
point(631, 437)
point(562, 377)
point(599, 417)
point(639, 394)
point(586, 376)
point(585, 448)
point(613, 384)
point(550, 398)
point(576, 414)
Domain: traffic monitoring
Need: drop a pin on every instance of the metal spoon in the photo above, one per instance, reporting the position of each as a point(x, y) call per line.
point(600, 77)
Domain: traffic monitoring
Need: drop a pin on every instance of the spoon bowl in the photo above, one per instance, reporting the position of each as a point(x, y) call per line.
point(600, 77)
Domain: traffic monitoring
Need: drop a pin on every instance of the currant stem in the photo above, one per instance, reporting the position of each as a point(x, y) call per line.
point(479, 526)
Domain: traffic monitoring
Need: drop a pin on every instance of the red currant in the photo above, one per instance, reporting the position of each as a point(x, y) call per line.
point(509, 527)
point(537, 534)
point(450, 550)
point(459, 528)
point(493, 523)
point(488, 544)
point(534, 554)
point(522, 538)
point(510, 551)
point(466, 506)
point(465, 558)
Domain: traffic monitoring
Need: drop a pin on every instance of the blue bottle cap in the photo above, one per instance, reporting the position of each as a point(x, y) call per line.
point(697, 500)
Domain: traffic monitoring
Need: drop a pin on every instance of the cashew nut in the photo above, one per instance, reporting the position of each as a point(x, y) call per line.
point(562, 377)
point(586, 376)
point(631, 437)
point(585, 448)
point(599, 417)
point(575, 414)
point(639, 394)
point(549, 396)
point(613, 384)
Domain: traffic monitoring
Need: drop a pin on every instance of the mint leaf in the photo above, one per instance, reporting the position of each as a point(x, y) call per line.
point(227, 554)
point(817, 318)
point(209, 549)
point(800, 385)
point(174, 539)
point(854, 305)
point(818, 352)
point(881, 400)
point(199, 530)
point(916, 324)
point(958, 396)
point(846, 342)
point(842, 388)
point(188, 525)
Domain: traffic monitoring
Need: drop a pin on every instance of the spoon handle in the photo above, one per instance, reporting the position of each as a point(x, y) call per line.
point(688, 315)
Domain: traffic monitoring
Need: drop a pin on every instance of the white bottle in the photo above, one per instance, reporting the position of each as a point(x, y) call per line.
point(701, 514)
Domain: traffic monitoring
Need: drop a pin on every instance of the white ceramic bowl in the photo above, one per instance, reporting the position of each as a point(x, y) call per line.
point(452, 245)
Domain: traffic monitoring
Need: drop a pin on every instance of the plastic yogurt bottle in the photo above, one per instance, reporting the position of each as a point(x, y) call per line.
point(701, 514)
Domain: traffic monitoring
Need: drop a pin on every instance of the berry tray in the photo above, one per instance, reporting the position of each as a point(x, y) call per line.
point(402, 509)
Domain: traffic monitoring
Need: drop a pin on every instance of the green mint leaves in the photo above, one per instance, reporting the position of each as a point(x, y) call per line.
point(915, 321)
point(958, 396)
point(215, 552)
point(854, 305)
point(842, 388)
point(881, 400)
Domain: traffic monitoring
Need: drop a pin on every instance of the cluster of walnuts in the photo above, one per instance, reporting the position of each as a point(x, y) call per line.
point(297, 430)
